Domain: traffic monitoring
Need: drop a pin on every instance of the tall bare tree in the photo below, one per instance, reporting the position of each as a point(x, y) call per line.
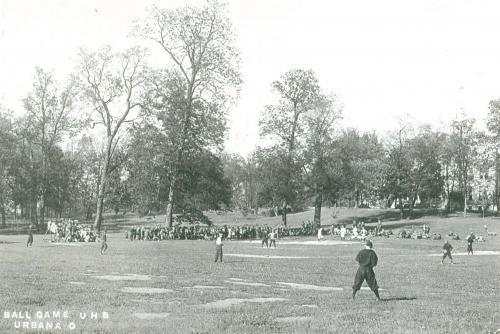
point(112, 84)
point(199, 43)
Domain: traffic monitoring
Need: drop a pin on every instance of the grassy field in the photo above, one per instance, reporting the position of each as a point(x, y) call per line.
point(254, 290)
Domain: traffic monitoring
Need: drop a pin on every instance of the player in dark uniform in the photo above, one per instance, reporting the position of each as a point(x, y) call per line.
point(447, 248)
point(30, 236)
point(104, 244)
point(367, 259)
point(470, 240)
point(265, 241)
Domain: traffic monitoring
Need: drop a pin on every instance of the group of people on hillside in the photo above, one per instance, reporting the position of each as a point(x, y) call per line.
point(199, 232)
point(358, 231)
point(70, 230)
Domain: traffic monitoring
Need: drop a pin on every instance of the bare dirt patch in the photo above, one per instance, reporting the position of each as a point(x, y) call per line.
point(77, 283)
point(310, 242)
point(151, 316)
point(144, 289)
point(292, 319)
point(226, 303)
point(310, 306)
point(268, 256)
point(126, 277)
point(205, 287)
point(247, 283)
point(475, 253)
point(299, 286)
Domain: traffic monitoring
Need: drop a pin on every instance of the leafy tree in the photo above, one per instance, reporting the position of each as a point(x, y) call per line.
point(147, 167)
point(199, 42)
point(399, 167)
point(50, 117)
point(84, 164)
point(273, 170)
point(414, 167)
point(464, 140)
point(320, 123)
point(425, 177)
point(298, 92)
point(236, 170)
point(362, 169)
point(7, 149)
point(493, 124)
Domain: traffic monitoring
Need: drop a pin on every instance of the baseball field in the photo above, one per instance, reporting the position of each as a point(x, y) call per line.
point(301, 286)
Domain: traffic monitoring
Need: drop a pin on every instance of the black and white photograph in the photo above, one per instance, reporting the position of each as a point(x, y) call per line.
point(259, 166)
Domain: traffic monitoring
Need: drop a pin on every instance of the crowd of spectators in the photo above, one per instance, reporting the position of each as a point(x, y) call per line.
point(205, 232)
point(70, 231)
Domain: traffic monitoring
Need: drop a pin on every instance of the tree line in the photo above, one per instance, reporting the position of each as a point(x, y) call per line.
point(121, 135)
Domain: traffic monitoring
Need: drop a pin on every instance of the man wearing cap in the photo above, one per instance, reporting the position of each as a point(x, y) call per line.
point(367, 259)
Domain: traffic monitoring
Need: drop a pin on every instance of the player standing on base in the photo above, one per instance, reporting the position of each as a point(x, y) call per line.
point(367, 259)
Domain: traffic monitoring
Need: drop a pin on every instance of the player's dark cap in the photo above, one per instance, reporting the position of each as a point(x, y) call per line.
point(369, 243)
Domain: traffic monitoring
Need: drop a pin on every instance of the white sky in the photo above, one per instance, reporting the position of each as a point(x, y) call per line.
point(384, 59)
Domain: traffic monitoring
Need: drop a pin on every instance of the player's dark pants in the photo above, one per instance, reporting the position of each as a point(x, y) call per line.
point(469, 249)
point(272, 242)
point(104, 247)
point(264, 241)
point(30, 241)
point(365, 273)
point(447, 254)
point(218, 253)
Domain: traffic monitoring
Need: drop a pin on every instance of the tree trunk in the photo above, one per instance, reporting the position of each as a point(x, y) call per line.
point(102, 186)
point(448, 204)
point(317, 209)
point(283, 213)
point(170, 202)
point(33, 213)
point(401, 213)
point(497, 184)
point(42, 206)
point(356, 196)
point(465, 204)
point(2, 211)
point(100, 204)
point(465, 197)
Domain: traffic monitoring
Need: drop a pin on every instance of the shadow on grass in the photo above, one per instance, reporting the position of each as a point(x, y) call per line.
point(8, 242)
point(390, 299)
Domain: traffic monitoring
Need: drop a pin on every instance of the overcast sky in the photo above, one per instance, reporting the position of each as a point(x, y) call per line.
point(383, 59)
